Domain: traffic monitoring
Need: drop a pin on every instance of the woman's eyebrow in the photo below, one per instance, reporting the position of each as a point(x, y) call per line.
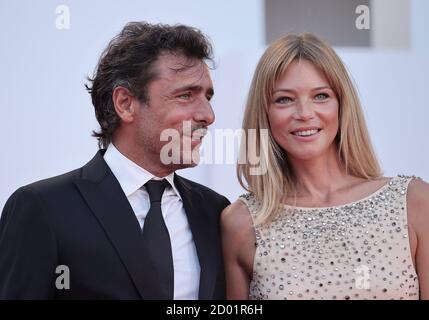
point(293, 91)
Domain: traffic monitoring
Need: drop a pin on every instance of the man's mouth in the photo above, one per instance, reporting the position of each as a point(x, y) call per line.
point(198, 134)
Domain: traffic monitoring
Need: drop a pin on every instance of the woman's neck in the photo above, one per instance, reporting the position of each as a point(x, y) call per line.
point(321, 177)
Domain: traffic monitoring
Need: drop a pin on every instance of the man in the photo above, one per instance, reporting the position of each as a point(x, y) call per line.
point(125, 226)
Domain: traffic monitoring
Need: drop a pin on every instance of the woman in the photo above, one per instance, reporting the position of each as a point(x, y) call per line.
point(322, 222)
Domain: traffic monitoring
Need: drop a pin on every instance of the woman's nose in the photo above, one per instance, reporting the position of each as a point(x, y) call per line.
point(304, 110)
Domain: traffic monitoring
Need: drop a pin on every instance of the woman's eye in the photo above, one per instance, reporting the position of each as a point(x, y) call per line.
point(321, 96)
point(284, 100)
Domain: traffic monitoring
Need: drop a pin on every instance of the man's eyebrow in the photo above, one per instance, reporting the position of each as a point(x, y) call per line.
point(195, 88)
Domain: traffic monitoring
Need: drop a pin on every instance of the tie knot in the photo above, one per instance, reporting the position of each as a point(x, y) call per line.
point(156, 188)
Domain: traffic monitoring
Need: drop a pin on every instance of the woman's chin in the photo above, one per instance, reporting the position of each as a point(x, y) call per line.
point(307, 154)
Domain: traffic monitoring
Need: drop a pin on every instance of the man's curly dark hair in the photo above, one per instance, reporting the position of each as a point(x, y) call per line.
point(128, 61)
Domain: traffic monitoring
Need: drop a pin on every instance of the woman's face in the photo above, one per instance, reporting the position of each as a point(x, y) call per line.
point(303, 112)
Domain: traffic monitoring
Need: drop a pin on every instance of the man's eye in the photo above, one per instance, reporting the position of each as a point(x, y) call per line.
point(321, 96)
point(185, 96)
point(284, 100)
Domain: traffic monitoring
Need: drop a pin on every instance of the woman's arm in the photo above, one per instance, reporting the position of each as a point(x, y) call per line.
point(418, 213)
point(238, 243)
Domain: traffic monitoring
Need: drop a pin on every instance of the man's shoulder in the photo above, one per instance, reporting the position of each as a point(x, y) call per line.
point(52, 185)
point(205, 191)
point(62, 182)
point(29, 199)
point(55, 183)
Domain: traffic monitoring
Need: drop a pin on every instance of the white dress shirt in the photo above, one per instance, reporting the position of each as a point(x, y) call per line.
point(132, 177)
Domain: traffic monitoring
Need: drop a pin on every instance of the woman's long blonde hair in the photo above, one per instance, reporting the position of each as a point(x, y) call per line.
point(355, 151)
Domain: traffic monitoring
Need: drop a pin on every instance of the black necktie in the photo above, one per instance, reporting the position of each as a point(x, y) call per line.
point(157, 238)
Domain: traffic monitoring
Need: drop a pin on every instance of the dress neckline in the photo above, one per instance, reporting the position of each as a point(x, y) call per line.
point(379, 190)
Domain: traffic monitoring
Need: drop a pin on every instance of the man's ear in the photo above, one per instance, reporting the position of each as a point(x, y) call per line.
point(123, 100)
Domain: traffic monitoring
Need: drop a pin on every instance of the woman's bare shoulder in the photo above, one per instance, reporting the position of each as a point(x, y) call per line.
point(236, 216)
point(238, 236)
point(418, 204)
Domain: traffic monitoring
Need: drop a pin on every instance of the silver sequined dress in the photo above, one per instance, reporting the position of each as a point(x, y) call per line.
point(358, 250)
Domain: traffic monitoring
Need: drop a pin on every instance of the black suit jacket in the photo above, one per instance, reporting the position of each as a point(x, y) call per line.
point(83, 220)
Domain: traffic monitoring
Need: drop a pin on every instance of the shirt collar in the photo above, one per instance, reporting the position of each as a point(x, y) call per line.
point(131, 176)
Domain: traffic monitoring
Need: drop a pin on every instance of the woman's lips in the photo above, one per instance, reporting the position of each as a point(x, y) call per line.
point(306, 135)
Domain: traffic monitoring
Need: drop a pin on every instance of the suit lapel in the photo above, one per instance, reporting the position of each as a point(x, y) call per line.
point(104, 196)
point(203, 234)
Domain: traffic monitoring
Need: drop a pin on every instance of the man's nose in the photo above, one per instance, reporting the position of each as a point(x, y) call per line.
point(204, 113)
